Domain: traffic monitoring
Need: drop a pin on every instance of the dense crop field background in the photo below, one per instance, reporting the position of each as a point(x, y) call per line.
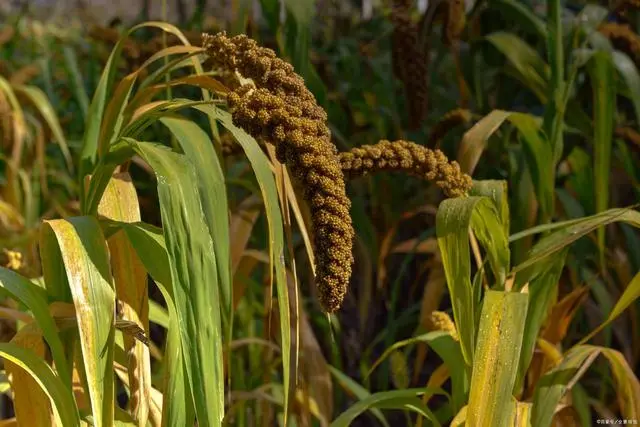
point(320, 213)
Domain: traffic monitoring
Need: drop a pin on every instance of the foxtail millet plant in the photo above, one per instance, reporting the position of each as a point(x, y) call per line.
point(409, 58)
point(408, 157)
point(282, 111)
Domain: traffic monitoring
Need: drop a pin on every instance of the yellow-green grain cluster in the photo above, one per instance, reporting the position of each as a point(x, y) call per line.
point(410, 62)
point(623, 38)
point(441, 321)
point(281, 110)
point(411, 158)
point(11, 259)
point(449, 121)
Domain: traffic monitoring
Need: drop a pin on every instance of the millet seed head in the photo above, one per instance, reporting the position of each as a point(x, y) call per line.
point(280, 110)
point(623, 38)
point(411, 158)
point(441, 321)
point(409, 58)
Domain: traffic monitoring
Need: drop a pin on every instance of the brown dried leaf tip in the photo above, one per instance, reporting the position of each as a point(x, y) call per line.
point(410, 157)
point(282, 111)
point(628, 134)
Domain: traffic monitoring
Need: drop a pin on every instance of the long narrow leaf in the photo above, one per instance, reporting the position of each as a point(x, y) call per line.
point(194, 278)
point(604, 96)
point(496, 358)
point(61, 397)
point(86, 261)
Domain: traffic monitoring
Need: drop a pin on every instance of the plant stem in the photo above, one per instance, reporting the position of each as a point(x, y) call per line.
point(554, 115)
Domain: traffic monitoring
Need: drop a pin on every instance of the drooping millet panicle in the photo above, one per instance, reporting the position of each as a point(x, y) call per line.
point(411, 158)
point(623, 38)
point(449, 121)
point(282, 111)
point(410, 62)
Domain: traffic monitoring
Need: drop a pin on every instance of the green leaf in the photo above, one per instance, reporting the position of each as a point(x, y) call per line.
point(42, 104)
point(453, 220)
point(78, 85)
point(573, 230)
point(496, 359)
point(397, 399)
point(542, 292)
point(102, 95)
point(604, 98)
point(629, 72)
point(194, 277)
point(497, 192)
point(61, 397)
point(358, 391)
point(531, 68)
point(264, 175)
point(35, 299)
point(552, 386)
point(150, 246)
point(521, 14)
point(451, 354)
point(489, 230)
point(199, 150)
point(555, 384)
point(85, 257)
point(158, 314)
point(539, 155)
point(179, 409)
point(630, 294)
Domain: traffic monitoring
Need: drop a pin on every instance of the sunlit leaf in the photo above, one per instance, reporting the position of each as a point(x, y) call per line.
point(84, 254)
point(496, 359)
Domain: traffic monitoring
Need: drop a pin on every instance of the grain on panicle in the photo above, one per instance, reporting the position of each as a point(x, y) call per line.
point(623, 38)
point(280, 110)
point(411, 158)
point(409, 58)
point(449, 121)
point(441, 321)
